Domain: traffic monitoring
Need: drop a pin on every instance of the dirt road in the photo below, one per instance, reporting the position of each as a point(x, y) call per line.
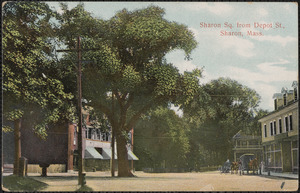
point(206, 181)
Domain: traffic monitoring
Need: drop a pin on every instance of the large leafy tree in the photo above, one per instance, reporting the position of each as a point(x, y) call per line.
point(127, 75)
point(31, 90)
point(230, 107)
point(131, 76)
point(161, 140)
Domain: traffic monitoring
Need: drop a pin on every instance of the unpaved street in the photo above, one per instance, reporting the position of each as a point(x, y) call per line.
point(206, 181)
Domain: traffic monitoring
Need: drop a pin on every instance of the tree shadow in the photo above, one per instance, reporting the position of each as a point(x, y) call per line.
point(84, 188)
point(16, 183)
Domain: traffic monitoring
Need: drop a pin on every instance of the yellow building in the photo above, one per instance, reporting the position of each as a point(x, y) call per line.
point(280, 132)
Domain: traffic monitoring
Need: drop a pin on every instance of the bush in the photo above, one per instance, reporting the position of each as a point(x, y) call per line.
point(210, 168)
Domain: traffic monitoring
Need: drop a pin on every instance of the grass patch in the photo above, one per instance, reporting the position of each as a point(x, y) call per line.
point(16, 183)
point(84, 188)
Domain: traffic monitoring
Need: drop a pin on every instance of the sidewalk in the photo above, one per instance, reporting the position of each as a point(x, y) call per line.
point(282, 175)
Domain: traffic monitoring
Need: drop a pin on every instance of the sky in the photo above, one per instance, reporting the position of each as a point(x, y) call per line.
point(261, 53)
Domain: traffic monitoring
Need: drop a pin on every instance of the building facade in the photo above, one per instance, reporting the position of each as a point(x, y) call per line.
point(58, 152)
point(246, 144)
point(280, 130)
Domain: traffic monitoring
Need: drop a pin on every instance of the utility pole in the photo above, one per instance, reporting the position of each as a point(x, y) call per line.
point(81, 174)
point(81, 177)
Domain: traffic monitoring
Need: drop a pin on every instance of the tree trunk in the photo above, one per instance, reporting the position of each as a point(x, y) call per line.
point(112, 164)
point(123, 165)
point(17, 138)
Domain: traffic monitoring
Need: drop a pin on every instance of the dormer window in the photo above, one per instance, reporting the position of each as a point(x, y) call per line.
point(275, 104)
point(295, 94)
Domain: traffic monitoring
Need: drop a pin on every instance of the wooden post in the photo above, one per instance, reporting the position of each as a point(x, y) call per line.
point(112, 161)
point(17, 136)
point(132, 148)
point(70, 147)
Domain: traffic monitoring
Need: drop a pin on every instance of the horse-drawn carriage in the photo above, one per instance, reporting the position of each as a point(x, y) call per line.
point(226, 167)
point(247, 162)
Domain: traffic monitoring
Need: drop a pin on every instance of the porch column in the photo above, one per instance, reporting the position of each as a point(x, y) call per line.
point(286, 156)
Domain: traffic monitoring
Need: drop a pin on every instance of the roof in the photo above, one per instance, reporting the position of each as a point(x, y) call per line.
point(295, 84)
point(241, 135)
point(279, 109)
point(277, 96)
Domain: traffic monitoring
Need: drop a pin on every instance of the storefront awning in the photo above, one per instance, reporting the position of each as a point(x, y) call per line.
point(106, 154)
point(92, 153)
point(131, 156)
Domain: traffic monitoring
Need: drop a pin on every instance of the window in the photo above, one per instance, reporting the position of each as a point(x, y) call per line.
point(89, 133)
point(280, 125)
point(271, 128)
point(265, 128)
point(286, 123)
point(284, 99)
point(291, 122)
point(94, 136)
point(275, 104)
point(98, 134)
point(86, 132)
point(295, 94)
point(244, 143)
point(74, 139)
point(103, 136)
point(274, 125)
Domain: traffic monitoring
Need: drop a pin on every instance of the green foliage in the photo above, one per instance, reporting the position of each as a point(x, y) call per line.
point(29, 67)
point(161, 140)
point(127, 61)
point(225, 108)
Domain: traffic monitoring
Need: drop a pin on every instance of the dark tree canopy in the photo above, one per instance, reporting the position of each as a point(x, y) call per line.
point(161, 138)
point(30, 84)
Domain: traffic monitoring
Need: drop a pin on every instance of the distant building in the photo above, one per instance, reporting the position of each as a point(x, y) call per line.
point(280, 131)
point(58, 152)
point(97, 145)
point(246, 144)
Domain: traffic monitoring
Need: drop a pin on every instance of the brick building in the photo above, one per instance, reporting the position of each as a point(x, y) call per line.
point(58, 152)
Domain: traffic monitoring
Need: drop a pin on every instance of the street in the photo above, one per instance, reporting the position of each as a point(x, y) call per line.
point(206, 181)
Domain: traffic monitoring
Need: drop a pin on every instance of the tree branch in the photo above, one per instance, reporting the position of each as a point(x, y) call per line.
point(130, 100)
point(135, 117)
point(104, 109)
